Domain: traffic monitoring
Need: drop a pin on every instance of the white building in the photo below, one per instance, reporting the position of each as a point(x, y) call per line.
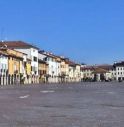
point(71, 73)
point(41, 55)
point(77, 72)
point(119, 68)
point(54, 67)
point(74, 71)
point(87, 72)
point(3, 64)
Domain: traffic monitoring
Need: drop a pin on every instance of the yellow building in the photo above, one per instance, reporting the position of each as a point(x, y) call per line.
point(15, 62)
point(64, 70)
point(16, 65)
point(28, 67)
point(43, 70)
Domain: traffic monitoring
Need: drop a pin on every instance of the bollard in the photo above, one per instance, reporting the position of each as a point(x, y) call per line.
point(3, 80)
point(0, 79)
point(12, 80)
point(8, 79)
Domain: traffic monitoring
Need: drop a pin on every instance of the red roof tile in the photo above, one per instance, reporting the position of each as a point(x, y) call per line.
point(17, 44)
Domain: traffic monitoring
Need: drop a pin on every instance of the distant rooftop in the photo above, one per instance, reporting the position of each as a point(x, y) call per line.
point(119, 63)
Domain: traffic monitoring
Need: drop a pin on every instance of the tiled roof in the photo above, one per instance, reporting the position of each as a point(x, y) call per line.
point(50, 55)
point(106, 66)
point(17, 44)
point(95, 69)
point(71, 63)
point(13, 53)
point(87, 68)
point(100, 70)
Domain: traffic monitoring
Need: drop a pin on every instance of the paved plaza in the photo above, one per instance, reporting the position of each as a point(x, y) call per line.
point(62, 105)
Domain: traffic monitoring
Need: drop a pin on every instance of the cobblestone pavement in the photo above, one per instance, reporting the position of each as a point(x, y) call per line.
point(62, 105)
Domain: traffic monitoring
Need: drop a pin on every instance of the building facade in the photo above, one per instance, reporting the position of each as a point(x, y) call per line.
point(3, 63)
point(53, 67)
point(43, 71)
point(119, 68)
point(30, 50)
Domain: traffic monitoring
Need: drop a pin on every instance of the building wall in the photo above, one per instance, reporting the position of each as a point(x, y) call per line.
point(108, 75)
point(119, 72)
point(67, 69)
point(64, 70)
point(43, 68)
point(31, 53)
point(87, 73)
point(71, 74)
point(14, 66)
point(34, 63)
point(41, 56)
point(63, 67)
point(28, 68)
point(58, 68)
point(3, 64)
point(26, 51)
point(53, 69)
point(15, 62)
point(78, 73)
point(43, 71)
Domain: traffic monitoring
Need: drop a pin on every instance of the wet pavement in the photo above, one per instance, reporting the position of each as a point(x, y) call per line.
point(62, 105)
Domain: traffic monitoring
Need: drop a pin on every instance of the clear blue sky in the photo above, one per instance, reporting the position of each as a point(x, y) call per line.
point(90, 31)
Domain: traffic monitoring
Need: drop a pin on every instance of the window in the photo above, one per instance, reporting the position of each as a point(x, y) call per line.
point(49, 59)
point(35, 59)
point(45, 59)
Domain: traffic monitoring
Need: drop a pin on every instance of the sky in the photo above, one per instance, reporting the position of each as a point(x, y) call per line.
point(87, 31)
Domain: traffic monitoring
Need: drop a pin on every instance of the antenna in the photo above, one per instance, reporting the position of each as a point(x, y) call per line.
point(2, 38)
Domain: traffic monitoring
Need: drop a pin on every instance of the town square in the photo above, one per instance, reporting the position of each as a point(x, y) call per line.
point(62, 105)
